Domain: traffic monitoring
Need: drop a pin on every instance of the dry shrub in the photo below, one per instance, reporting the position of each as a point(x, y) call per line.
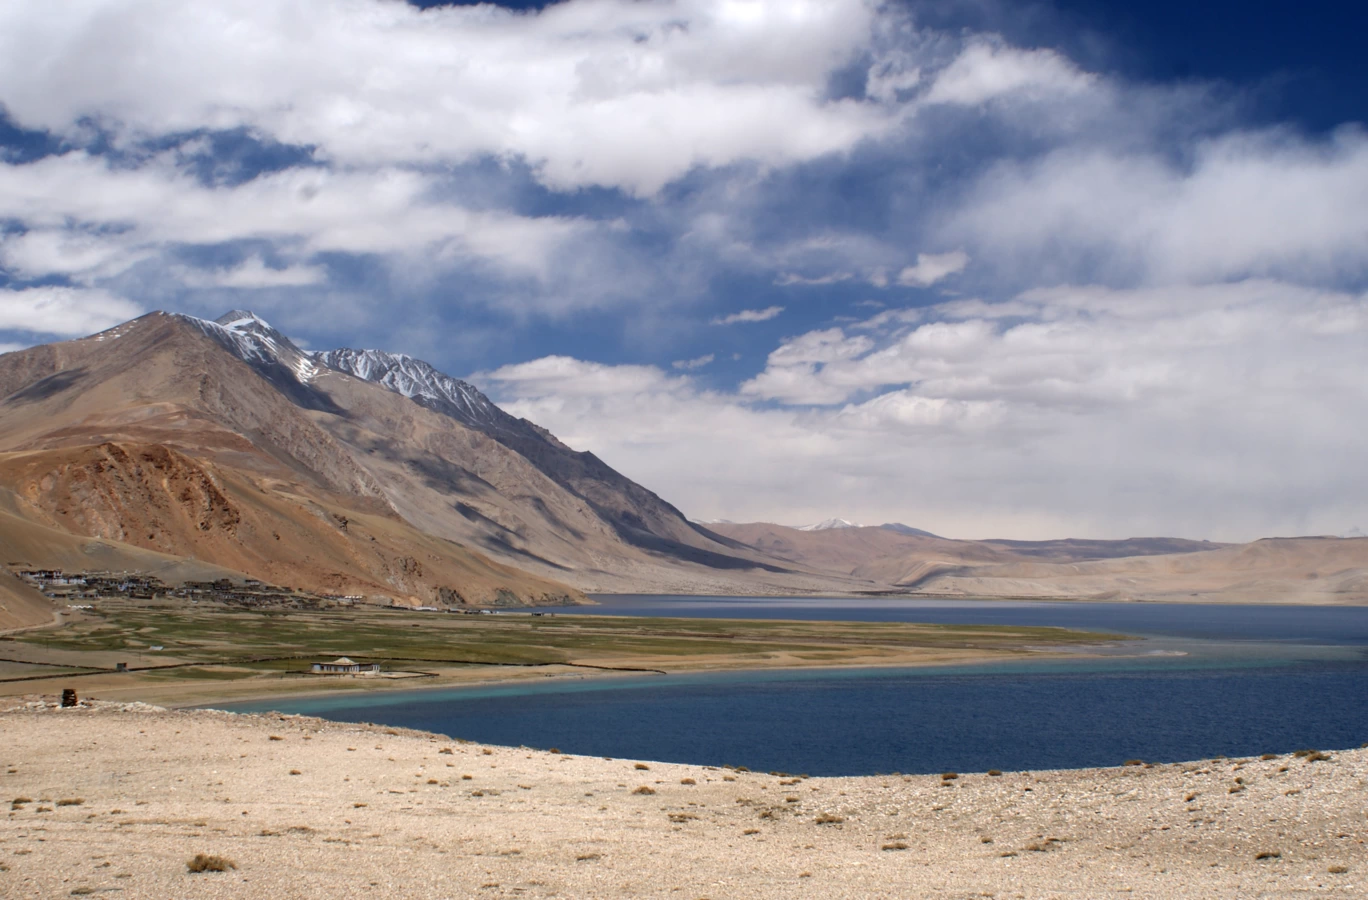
point(1268, 756)
point(275, 737)
point(1338, 870)
point(687, 781)
point(995, 773)
point(467, 777)
point(486, 751)
point(296, 772)
point(751, 831)
point(829, 819)
point(1134, 762)
point(1268, 854)
point(895, 845)
point(71, 801)
point(206, 863)
point(586, 857)
point(644, 790)
point(447, 750)
point(642, 767)
point(949, 776)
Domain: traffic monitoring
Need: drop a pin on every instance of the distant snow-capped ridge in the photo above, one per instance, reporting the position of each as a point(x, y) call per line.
point(835, 524)
point(253, 340)
point(417, 380)
point(829, 524)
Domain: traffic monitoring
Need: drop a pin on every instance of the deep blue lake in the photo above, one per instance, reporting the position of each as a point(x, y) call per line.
point(1204, 680)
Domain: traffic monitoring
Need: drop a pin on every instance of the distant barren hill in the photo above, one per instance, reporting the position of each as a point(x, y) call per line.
point(1279, 570)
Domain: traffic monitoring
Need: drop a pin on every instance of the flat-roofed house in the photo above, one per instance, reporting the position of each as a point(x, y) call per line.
point(344, 666)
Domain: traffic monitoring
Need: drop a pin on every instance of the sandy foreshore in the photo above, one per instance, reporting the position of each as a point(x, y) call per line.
point(119, 797)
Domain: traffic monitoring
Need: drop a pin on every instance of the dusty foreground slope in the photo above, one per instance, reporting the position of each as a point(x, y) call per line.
point(20, 605)
point(306, 808)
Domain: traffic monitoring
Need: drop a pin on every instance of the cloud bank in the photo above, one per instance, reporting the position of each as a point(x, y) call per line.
point(986, 290)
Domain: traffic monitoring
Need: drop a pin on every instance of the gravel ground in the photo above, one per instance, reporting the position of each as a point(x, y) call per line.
point(117, 798)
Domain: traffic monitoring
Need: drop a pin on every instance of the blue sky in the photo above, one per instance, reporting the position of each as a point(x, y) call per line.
point(1027, 270)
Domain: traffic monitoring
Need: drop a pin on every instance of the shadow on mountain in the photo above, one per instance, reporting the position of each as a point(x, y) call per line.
point(49, 386)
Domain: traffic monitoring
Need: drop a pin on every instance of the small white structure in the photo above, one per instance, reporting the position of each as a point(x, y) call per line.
point(344, 666)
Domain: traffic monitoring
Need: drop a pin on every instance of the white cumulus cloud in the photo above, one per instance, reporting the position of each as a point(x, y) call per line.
point(64, 311)
point(987, 70)
point(932, 267)
point(590, 92)
point(254, 273)
point(749, 315)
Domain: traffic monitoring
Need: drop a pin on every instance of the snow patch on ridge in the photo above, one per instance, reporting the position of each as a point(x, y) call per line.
point(253, 340)
point(418, 381)
point(829, 524)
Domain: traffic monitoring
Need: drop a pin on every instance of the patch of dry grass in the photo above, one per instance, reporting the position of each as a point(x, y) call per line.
point(204, 862)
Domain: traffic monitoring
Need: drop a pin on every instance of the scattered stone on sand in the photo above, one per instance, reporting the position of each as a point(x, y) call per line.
point(160, 788)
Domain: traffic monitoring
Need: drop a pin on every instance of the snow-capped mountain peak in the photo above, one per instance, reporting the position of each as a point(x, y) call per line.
point(418, 381)
point(253, 340)
point(829, 524)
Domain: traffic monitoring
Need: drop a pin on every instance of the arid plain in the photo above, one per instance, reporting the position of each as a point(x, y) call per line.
point(116, 798)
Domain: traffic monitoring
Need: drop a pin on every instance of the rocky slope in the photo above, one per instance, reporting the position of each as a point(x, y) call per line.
point(159, 434)
point(225, 442)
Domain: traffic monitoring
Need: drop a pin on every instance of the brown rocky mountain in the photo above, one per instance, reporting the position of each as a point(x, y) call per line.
point(225, 443)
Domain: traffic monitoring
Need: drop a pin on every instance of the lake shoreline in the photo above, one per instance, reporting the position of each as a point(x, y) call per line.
point(365, 687)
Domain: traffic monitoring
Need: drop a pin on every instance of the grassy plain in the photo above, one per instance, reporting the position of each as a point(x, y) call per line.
point(207, 652)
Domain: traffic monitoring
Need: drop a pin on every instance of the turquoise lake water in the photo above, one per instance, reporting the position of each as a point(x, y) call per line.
point(1203, 680)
